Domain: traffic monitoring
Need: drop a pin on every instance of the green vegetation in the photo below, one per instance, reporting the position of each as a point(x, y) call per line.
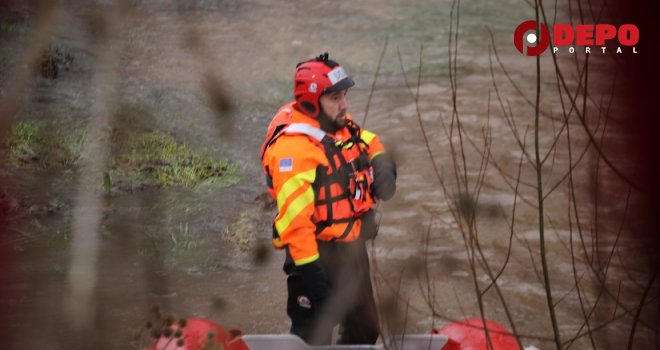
point(184, 240)
point(243, 231)
point(22, 139)
point(138, 159)
point(30, 145)
point(157, 159)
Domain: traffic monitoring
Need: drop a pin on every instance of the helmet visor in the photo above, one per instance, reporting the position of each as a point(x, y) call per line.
point(340, 85)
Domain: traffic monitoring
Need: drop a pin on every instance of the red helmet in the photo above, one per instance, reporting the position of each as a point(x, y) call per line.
point(317, 77)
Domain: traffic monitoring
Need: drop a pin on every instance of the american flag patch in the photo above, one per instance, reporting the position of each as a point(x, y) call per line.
point(286, 164)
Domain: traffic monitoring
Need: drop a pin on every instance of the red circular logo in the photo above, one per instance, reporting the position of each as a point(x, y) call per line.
point(526, 36)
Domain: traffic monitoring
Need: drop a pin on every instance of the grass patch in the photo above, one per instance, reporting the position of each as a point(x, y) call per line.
point(243, 231)
point(181, 246)
point(185, 240)
point(138, 159)
point(155, 158)
point(31, 145)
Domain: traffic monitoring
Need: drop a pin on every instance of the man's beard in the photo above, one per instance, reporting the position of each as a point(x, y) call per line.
point(332, 126)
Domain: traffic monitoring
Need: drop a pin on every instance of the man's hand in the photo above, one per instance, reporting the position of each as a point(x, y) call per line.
point(316, 281)
point(384, 185)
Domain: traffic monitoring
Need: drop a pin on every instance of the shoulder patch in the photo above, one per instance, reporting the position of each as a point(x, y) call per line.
point(286, 165)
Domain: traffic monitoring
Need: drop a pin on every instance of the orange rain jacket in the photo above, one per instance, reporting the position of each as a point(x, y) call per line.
point(301, 173)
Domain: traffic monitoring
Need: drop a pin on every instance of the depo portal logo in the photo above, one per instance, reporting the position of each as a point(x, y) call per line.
point(585, 37)
point(540, 42)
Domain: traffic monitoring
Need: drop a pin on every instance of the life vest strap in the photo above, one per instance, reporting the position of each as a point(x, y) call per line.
point(341, 171)
point(306, 129)
point(334, 199)
point(348, 229)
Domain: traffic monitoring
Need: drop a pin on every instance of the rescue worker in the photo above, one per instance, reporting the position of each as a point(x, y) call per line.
point(326, 173)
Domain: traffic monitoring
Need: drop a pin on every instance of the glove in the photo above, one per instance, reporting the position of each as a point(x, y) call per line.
point(384, 185)
point(369, 227)
point(316, 281)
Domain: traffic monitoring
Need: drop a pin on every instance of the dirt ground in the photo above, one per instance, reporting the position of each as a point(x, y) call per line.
point(166, 54)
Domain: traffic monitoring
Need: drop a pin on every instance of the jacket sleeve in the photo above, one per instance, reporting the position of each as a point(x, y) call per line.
point(375, 147)
point(293, 162)
point(384, 185)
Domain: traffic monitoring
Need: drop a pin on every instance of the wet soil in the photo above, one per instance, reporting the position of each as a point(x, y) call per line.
point(212, 73)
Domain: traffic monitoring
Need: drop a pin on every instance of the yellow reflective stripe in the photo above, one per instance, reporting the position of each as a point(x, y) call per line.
point(367, 136)
point(305, 199)
point(292, 184)
point(376, 154)
point(306, 260)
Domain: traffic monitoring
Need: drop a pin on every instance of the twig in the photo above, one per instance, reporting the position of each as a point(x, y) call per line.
point(373, 83)
point(539, 180)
